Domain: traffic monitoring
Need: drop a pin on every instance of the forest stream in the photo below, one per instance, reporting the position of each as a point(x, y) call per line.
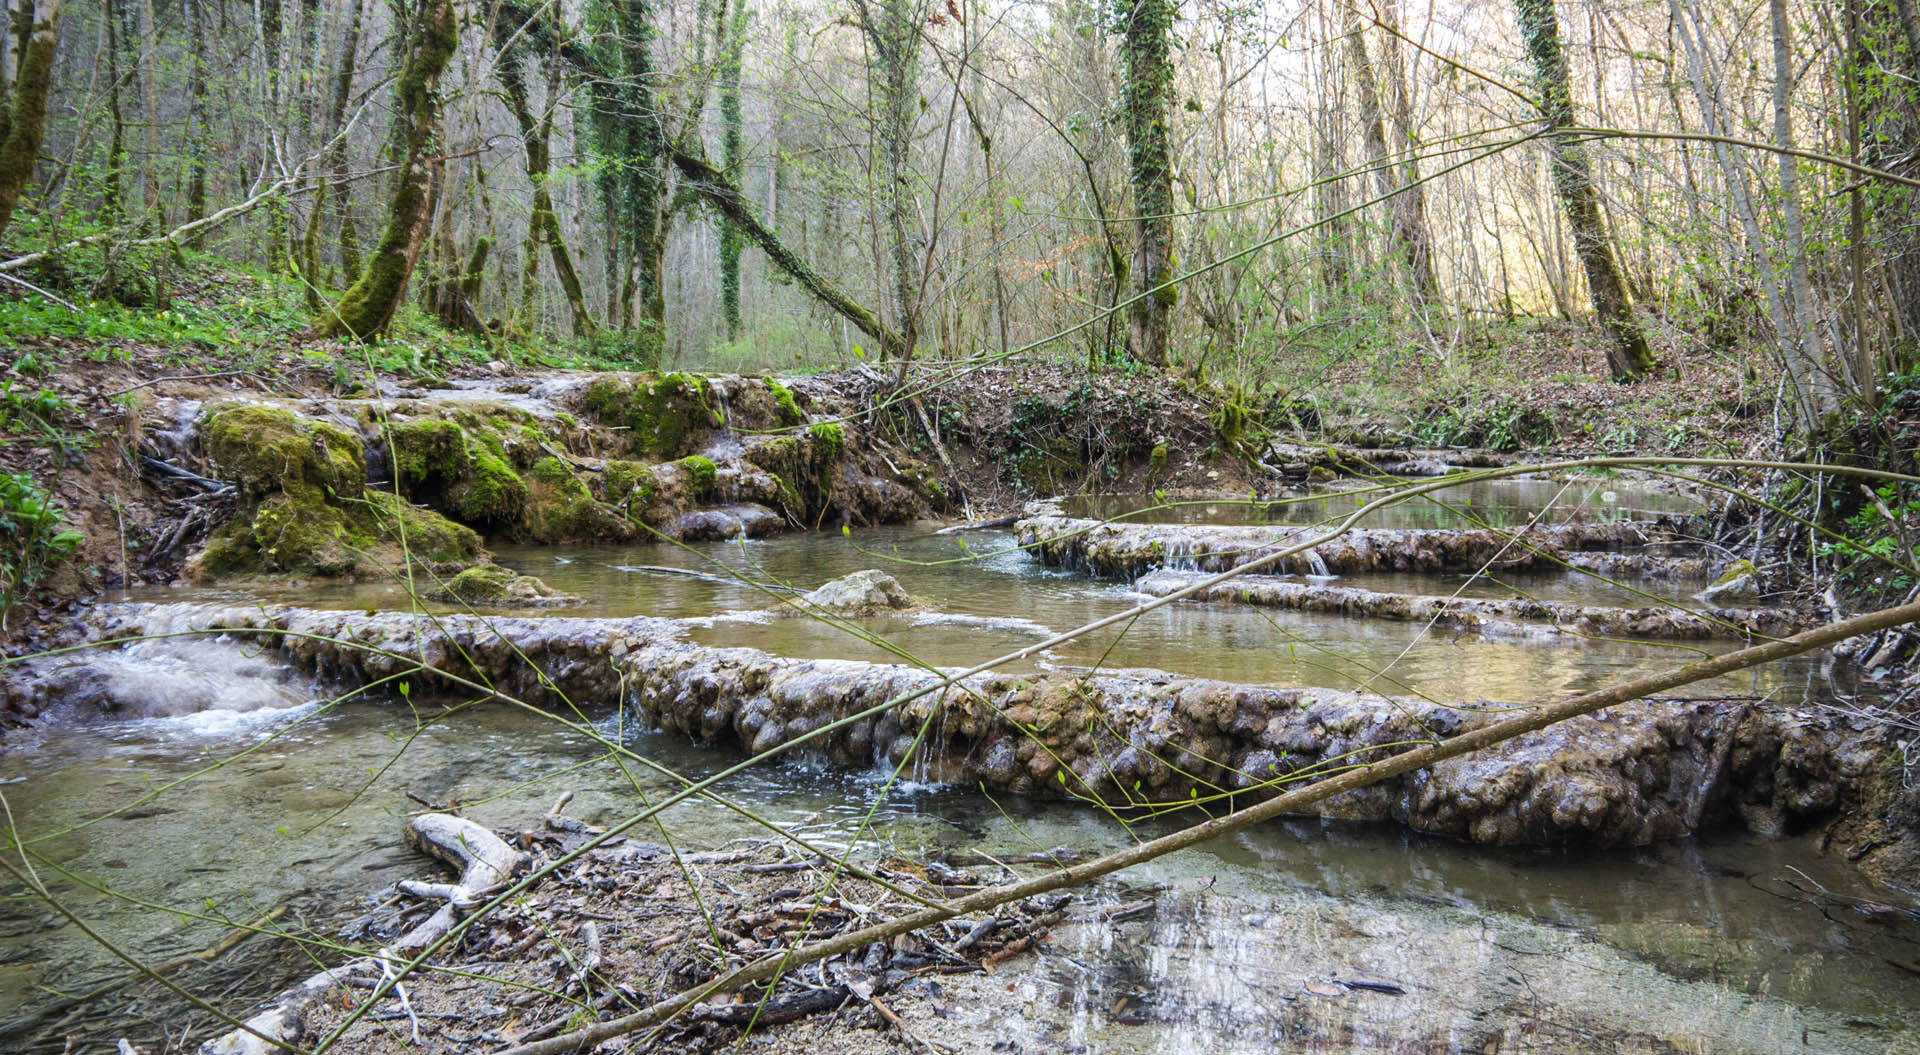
point(1308, 933)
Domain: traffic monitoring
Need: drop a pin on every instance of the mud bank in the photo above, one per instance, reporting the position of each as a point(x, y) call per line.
point(1512, 617)
point(1118, 550)
point(1655, 770)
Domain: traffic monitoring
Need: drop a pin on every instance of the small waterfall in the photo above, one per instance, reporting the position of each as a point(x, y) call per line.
point(722, 409)
point(1316, 566)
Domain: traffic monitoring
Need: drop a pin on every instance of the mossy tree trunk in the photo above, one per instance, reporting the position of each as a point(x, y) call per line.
point(366, 309)
point(1147, 60)
point(627, 134)
point(892, 29)
point(23, 95)
point(335, 168)
point(543, 224)
point(1629, 357)
point(732, 240)
point(712, 185)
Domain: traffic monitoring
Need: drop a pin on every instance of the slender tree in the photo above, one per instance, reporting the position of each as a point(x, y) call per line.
point(1147, 61)
point(368, 307)
point(543, 224)
point(732, 157)
point(892, 29)
point(1573, 183)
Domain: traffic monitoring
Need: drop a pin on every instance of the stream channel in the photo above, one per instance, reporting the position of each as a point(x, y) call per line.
point(1730, 942)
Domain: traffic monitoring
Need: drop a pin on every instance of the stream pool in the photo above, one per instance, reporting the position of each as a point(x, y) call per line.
point(1731, 943)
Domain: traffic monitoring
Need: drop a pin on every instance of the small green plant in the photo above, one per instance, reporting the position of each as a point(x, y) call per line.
point(39, 540)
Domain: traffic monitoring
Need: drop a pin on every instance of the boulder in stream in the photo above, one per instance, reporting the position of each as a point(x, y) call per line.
point(491, 584)
point(862, 593)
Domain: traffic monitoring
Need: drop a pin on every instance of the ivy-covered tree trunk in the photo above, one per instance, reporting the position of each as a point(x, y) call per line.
point(732, 241)
point(892, 28)
point(543, 225)
point(23, 96)
point(366, 309)
point(628, 137)
point(1629, 357)
point(1147, 61)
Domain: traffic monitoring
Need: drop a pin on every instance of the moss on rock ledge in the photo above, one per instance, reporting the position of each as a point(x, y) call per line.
point(664, 417)
point(303, 504)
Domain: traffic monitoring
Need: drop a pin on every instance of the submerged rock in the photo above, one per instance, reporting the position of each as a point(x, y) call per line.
point(491, 584)
point(862, 593)
point(725, 522)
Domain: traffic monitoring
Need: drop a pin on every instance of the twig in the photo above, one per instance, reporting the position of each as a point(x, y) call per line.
point(67, 304)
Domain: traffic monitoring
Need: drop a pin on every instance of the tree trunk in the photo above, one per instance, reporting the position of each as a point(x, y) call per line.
point(713, 185)
point(731, 159)
point(1820, 394)
point(23, 107)
point(366, 309)
point(1630, 357)
point(1148, 63)
point(1410, 207)
point(197, 148)
point(543, 224)
point(892, 28)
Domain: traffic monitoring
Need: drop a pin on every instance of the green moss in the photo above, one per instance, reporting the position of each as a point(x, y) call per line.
point(491, 493)
point(554, 472)
point(428, 454)
point(264, 450)
point(301, 535)
point(1157, 460)
point(829, 441)
point(426, 534)
point(623, 478)
point(700, 475)
point(783, 403)
point(480, 585)
point(663, 417)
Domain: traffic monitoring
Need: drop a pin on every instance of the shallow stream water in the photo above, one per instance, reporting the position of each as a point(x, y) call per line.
point(1732, 943)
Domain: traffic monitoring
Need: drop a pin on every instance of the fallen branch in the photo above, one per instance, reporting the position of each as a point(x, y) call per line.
point(484, 862)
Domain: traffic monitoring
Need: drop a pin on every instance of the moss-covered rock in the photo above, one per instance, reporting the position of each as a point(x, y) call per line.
point(492, 492)
point(423, 533)
point(700, 475)
point(265, 450)
point(428, 455)
point(664, 417)
point(561, 508)
point(786, 409)
point(303, 504)
point(491, 584)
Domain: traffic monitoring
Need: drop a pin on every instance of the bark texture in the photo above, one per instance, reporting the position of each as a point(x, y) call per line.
point(23, 108)
point(1573, 182)
point(366, 309)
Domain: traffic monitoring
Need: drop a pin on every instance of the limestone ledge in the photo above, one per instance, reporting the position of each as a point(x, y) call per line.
point(1634, 774)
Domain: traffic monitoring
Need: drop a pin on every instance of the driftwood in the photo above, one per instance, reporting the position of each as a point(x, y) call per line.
point(485, 863)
